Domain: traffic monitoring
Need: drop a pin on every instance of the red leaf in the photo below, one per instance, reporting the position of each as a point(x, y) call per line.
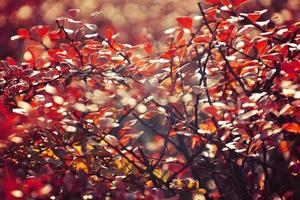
point(73, 12)
point(56, 35)
point(212, 110)
point(185, 22)
point(238, 2)
point(212, 2)
point(108, 34)
point(253, 17)
point(261, 45)
point(285, 50)
point(235, 3)
point(11, 61)
point(23, 32)
point(7, 120)
point(168, 54)
point(273, 56)
point(148, 47)
point(42, 30)
point(291, 68)
point(226, 2)
point(225, 35)
point(52, 52)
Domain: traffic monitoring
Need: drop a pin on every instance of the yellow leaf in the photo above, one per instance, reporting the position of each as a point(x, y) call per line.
point(78, 148)
point(49, 153)
point(127, 167)
point(157, 173)
point(118, 164)
point(89, 147)
point(124, 165)
point(201, 191)
point(161, 175)
point(192, 184)
point(199, 197)
point(81, 165)
point(177, 184)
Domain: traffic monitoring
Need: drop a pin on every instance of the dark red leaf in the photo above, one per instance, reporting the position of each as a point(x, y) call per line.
point(238, 2)
point(291, 68)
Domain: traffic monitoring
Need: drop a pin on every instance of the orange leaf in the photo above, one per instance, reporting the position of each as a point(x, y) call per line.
point(168, 54)
point(201, 39)
point(179, 35)
point(195, 141)
point(208, 126)
point(150, 183)
point(291, 127)
point(172, 132)
point(284, 146)
point(185, 22)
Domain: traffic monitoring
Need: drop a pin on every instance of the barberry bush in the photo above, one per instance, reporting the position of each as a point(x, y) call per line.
point(213, 113)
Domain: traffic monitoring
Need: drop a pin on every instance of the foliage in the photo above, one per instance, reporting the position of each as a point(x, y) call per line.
point(213, 114)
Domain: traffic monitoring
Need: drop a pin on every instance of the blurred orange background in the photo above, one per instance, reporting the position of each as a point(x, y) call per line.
point(135, 20)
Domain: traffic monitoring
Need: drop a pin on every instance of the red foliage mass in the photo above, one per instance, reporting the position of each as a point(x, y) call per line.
point(211, 114)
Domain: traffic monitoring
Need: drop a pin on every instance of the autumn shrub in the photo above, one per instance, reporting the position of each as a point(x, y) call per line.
point(212, 114)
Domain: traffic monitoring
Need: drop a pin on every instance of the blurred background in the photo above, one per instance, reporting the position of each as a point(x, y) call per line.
point(135, 20)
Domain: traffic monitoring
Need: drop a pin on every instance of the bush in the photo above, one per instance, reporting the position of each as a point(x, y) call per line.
point(213, 114)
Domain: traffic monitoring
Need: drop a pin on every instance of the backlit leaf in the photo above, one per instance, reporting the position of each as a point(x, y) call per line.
point(185, 22)
point(292, 127)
